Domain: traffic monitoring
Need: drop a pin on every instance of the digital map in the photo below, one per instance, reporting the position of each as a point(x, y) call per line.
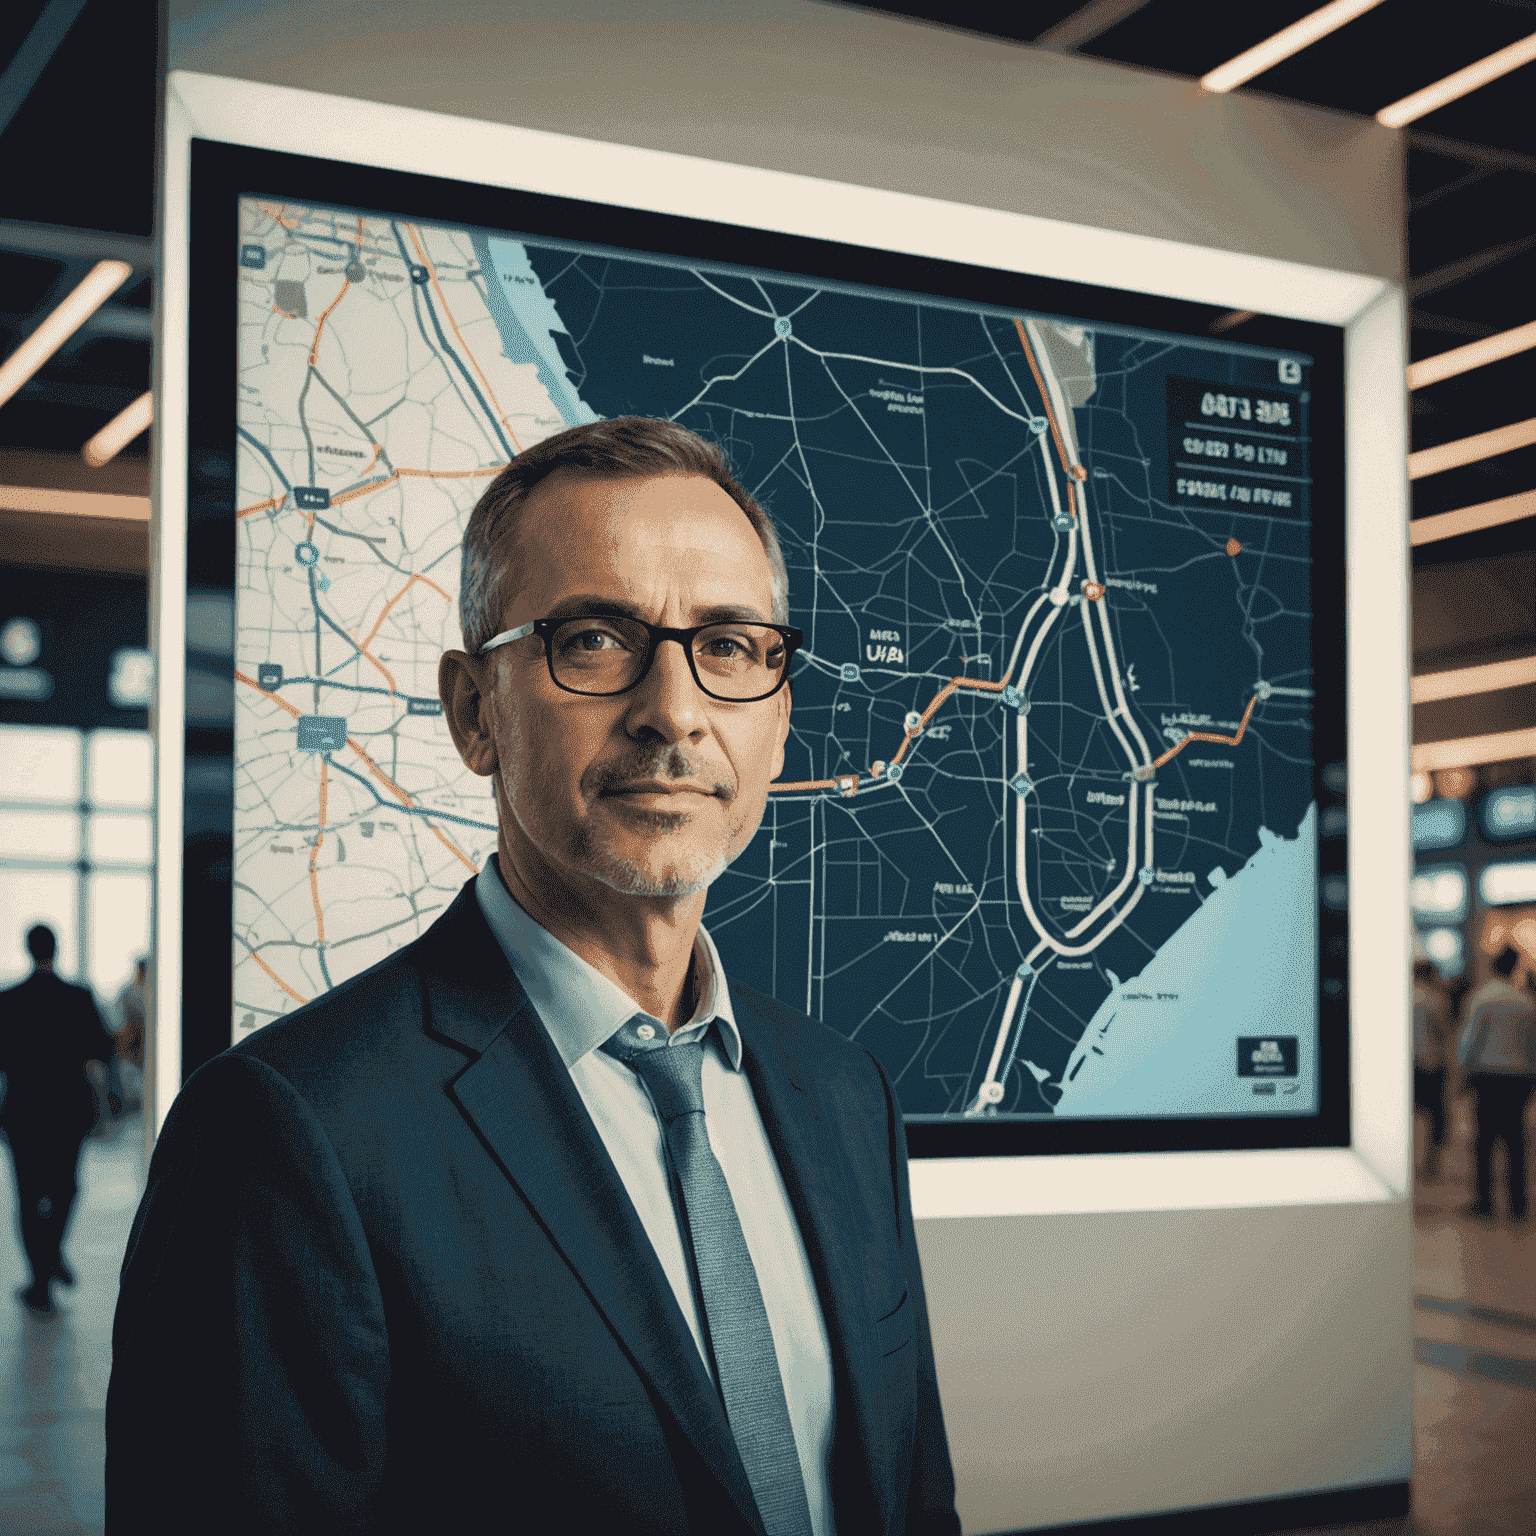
point(1045, 840)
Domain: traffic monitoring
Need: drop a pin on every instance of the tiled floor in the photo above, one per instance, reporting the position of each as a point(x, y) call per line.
point(1475, 1406)
point(53, 1372)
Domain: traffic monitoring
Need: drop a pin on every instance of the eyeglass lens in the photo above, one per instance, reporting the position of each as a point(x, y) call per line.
point(607, 655)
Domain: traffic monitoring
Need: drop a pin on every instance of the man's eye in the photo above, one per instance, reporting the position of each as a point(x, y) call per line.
point(592, 640)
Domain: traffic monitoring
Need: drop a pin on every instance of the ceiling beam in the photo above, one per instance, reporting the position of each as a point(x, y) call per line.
point(1460, 270)
point(1087, 23)
point(60, 242)
point(110, 320)
point(39, 46)
point(1471, 154)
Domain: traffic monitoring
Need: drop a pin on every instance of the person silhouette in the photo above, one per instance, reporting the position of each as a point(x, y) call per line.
point(49, 1030)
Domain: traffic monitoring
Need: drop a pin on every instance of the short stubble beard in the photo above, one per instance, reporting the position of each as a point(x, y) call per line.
point(592, 856)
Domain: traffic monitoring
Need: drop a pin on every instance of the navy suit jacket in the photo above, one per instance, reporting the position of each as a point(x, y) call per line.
point(385, 1277)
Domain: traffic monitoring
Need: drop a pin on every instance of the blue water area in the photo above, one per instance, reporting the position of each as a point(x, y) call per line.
point(1243, 964)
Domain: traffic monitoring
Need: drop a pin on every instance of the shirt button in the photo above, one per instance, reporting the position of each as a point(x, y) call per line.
point(646, 1032)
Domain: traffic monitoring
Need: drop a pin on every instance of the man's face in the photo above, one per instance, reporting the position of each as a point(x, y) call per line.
point(651, 792)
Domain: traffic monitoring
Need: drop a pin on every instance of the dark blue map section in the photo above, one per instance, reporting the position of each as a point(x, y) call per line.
point(1053, 891)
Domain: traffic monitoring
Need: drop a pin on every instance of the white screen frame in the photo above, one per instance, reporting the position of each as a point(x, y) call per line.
point(1375, 1168)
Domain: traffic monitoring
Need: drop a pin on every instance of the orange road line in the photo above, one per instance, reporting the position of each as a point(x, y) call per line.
point(432, 272)
point(453, 848)
point(1225, 741)
point(384, 612)
point(1068, 468)
point(314, 351)
point(251, 682)
point(906, 741)
point(378, 448)
point(314, 852)
point(275, 211)
point(422, 474)
point(381, 776)
point(252, 955)
point(284, 313)
point(260, 506)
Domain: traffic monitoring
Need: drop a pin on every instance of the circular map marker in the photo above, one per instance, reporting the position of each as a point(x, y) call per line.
point(356, 271)
point(1234, 548)
point(782, 327)
point(306, 553)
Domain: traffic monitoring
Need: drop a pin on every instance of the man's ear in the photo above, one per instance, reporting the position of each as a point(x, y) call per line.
point(461, 682)
point(785, 703)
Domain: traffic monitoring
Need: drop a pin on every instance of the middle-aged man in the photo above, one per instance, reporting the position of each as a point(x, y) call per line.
point(540, 1224)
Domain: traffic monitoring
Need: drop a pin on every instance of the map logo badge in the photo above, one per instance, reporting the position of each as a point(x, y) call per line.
point(1266, 1056)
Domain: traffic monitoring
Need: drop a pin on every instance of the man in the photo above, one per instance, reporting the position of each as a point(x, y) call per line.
point(541, 1223)
point(1497, 1050)
point(1431, 1029)
point(49, 1030)
point(128, 1039)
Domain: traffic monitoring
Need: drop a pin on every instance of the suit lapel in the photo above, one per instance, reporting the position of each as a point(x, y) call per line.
point(810, 1156)
point(519, 1097)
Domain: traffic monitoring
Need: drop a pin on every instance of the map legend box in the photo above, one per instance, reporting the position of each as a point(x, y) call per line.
point(311, 498)
point(1238, 448)
point(322, 733)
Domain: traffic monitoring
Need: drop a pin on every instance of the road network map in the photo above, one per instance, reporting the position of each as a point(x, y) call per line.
point(1045, 841)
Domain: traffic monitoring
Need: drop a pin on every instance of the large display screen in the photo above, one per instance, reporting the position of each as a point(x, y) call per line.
point(1067, 561)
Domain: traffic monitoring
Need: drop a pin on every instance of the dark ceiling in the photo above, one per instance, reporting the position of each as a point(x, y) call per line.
point(79, 156)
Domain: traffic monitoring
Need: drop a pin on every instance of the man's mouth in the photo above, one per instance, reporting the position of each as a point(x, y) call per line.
point(659, 787)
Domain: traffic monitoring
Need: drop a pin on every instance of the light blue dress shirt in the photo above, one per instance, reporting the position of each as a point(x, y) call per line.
point(581, 1008)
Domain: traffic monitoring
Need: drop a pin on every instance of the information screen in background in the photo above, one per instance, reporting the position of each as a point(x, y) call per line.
point(1046, 840)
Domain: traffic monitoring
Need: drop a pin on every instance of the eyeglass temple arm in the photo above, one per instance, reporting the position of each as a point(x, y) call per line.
point(506, 637)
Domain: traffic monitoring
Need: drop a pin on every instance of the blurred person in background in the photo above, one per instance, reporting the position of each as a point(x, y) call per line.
point(1497, 1050)
point(1431, 1035)
point(49, 1031)
point(128, 1038)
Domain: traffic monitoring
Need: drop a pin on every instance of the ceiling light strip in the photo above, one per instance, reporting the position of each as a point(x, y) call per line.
point(1471, 450)
point(1486, 514)
point(37, 498)
point(1411, 108)
point(1469, 751)
point(93, 290)
point(1477, 354)
point(119, 432)
point(1300, 34)
point(1430, 687)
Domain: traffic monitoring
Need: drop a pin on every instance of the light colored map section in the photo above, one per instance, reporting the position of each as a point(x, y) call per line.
point(376, 400)
point(1162, 1042)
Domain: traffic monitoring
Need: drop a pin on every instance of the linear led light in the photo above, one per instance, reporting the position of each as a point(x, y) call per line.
point(1476, 354)
point(1486, 514)
point(36, 498)
point(1468, 751)
point(1292, 39)
point(1472, 450)
point(1413, 107)
point(1431, 686)
point(119, 432)
point(93, 290)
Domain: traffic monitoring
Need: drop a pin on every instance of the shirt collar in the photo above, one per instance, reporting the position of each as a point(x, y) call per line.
point(579, 1006)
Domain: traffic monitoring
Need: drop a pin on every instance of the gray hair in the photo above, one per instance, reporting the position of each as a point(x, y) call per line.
point(625, 447)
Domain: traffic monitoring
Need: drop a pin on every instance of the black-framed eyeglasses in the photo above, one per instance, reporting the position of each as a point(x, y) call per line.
point(738, 661)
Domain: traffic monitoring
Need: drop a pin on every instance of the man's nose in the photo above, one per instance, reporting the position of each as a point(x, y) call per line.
point(668, 700)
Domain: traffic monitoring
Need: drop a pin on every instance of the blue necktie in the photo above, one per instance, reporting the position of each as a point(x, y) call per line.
point(736, 1322)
